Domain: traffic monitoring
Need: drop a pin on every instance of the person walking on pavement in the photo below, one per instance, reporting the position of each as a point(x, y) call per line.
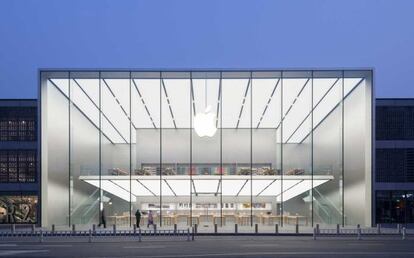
point(102, 220)
point(150, 219)
point(138, 217)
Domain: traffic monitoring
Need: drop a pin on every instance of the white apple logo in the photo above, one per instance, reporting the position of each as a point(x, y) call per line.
point(204, 123)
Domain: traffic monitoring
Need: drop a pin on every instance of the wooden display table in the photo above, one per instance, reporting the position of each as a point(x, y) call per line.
point(194, 218)
point(169, 220)
point(119, 220)
point(218, 218)
point(296, 219)
point(270, 219)
point(243, 220)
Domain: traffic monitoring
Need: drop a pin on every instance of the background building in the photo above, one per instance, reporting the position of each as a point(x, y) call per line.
point(394, 173)
point(19, 177)
point(201, 147)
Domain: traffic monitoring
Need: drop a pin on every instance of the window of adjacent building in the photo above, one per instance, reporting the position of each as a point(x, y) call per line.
point(395, 123)
point(395, 165)
point(394, 206)
point(18, 208)
point(18, 124)
point(17, 166)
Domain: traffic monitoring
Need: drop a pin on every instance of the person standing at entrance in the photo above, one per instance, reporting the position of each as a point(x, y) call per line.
point(103, 220)
point(138, 217)
point(150, 219)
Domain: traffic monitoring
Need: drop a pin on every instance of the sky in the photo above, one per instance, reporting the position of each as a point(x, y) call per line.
point(153, 34)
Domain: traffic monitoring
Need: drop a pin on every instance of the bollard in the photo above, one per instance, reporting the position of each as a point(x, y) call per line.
point(41, 236)
point(12, 228)
point(235, 228)
point(188, 234)
point(73, 229)
point(195, 228)
point(277, 229)
point(337, 229)
point(358, 226)
point(403, 233)
point(114, 229)
point(297, 229)
point(399, 228)
point(90, 236)
point(139, 234)
point(175, 229)
point(215, 228)
point(53, 228)
point(359, 233)
point(315, 231)
point(192, 233)
point(33, 228)
point(135, 229)
point(378, 229)
point(155, 229)
point(94, 228)
point(256, 228)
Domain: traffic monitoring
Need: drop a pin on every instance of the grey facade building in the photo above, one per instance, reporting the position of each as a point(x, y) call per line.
point(394, 173)
point(19, 166)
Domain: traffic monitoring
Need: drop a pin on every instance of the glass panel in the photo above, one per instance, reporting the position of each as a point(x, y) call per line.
point(236, 151)
point(57, 115)
point(327, 147)
point(297, 150)
point(115, 149)
point(84, 147)
point(357, 125)
point(176, 150)
point(146, 185)
point(266, 172)
point(206, 159)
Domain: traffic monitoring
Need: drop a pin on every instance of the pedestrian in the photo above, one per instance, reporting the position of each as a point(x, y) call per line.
point(150, 219)
point(102, 220)
point(138, 217)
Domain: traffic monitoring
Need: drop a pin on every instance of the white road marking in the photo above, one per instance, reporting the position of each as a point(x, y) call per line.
point(7, 245)
point(260, 245)
point(19, 252)
point(145, 247)
point(299, 254)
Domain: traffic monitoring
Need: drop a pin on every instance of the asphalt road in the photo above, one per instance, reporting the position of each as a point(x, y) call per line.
point(215, 246)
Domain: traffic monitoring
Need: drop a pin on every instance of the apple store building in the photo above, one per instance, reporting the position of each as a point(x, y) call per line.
point(206, 147)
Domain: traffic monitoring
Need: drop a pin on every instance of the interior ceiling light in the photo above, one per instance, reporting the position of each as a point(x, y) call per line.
point(205, 122)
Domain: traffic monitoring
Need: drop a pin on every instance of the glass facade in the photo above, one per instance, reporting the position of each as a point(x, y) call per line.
point(206, 147)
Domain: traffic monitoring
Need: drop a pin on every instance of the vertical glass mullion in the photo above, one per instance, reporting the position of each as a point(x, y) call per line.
point(281, 149)
point(130, 152)
point(100, 152)
point(160, 148)
point(312, 165)
point(221, 149)
point(342, 148)
point(191, 154)
point(251, 151)
point(70, 145)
